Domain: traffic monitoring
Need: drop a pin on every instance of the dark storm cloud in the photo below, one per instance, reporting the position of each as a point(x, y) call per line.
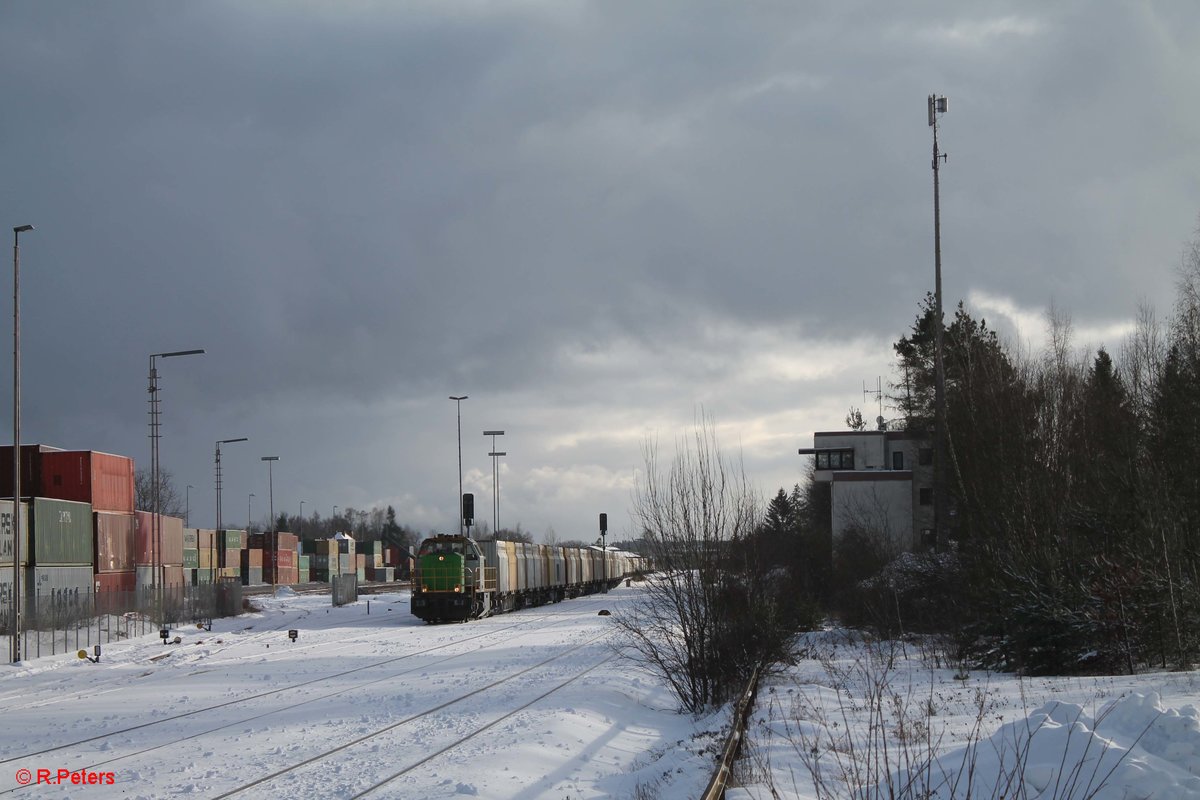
point(592, 218)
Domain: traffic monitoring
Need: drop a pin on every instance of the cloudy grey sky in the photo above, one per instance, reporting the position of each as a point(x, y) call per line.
point(593, 218)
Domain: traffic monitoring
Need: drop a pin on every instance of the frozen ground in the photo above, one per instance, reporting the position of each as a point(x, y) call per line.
point(830, 722)
point(525, 705)
point(369, 701)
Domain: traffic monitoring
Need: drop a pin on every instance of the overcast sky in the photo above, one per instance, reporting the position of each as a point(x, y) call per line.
point(596, 219)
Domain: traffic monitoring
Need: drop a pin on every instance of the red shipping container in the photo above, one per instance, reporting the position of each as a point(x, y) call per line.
point(287, 576)
point(115, 592)
point(169, 550)
point(114, 534)
point(172, 576)
point(116, 581)
point(85, 476)
point(31, 469)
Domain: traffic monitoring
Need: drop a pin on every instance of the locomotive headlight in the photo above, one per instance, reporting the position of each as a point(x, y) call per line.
point(457, 588)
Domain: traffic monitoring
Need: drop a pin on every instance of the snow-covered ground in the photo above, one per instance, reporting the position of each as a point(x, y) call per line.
point(527, 705)
point(536, 705)
point(992, 736)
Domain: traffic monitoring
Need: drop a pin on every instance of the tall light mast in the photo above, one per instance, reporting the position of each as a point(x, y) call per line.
point(938, 105)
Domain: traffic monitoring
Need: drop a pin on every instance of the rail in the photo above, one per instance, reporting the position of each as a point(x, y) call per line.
point(733, 745)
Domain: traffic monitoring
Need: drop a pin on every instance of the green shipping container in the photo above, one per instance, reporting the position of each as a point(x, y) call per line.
point(202, 577)
point(231, 540)
point(62, 532)
point(303, 576)
point(191, 559)
point(305, 562)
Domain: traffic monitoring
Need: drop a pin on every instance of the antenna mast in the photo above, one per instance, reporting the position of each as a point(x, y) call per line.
point(878, 393)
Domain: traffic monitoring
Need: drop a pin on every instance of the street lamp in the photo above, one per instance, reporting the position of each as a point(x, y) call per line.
point(938, 105)
point(300, 533)
point(187, 507)
point(155, 424)
point(274, 533)
point(333, 522)
point(458, 500)
point(248, 517)
point(495, 483)
point(213, 563)
point(16, 582)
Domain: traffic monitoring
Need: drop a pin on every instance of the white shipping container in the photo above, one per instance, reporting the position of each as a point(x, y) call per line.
point(6, 534)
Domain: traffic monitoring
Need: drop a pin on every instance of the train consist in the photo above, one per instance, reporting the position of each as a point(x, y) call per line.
point(458, 578)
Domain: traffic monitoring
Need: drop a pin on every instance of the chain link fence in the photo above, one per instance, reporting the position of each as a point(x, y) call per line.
point(67, 621)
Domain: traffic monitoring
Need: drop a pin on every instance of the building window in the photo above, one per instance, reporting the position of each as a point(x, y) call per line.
point(926, 497)
point(898, 460)
point(925, 457)
point(835, 459)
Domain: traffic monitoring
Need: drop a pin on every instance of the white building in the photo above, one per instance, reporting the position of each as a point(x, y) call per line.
point(881, 483)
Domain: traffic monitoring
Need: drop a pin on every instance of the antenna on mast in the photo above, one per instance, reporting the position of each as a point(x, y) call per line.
point(878, 393)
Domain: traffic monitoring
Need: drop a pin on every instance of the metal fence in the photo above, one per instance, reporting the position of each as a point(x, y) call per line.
point(72, 620)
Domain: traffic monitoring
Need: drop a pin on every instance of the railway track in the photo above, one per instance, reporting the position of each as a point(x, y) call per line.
point(103, 742)
point(318, 759)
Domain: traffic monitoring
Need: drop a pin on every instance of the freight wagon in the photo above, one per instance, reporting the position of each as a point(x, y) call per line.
point(458, 579)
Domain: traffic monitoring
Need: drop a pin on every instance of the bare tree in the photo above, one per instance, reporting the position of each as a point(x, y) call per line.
point(169, 501)
point(695, 622)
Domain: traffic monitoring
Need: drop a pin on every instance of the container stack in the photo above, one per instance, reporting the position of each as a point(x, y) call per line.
point(328, 558)
point(206, 553)
point(191, 554)
point(31, 469)
point(85, 476)
point(304, 568)
point(288, 559)
point(347, 555)
point(317, 551)
point(164, 556)
point(229, 547)
point(6, 545)
point(63, 553)
point(252, 564)
point(116, 554)
point(172, 550)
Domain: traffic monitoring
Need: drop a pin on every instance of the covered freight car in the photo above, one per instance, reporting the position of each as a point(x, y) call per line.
point(458, 579)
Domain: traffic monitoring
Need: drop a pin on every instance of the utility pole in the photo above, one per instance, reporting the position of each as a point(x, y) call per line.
point(938, 105)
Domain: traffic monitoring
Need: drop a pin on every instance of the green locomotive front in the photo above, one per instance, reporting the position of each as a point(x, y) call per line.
point(451, 583)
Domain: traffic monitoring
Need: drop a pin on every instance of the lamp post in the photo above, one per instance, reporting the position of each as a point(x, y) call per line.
point(300, 533)
point(248, 517)
point(16, 582)
point(274, 533)
point(495, 482)
point(187, 506)
point(155, 435)
point(938, 105)
point(333, 522)
point(458, 500)
point(213, 562)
